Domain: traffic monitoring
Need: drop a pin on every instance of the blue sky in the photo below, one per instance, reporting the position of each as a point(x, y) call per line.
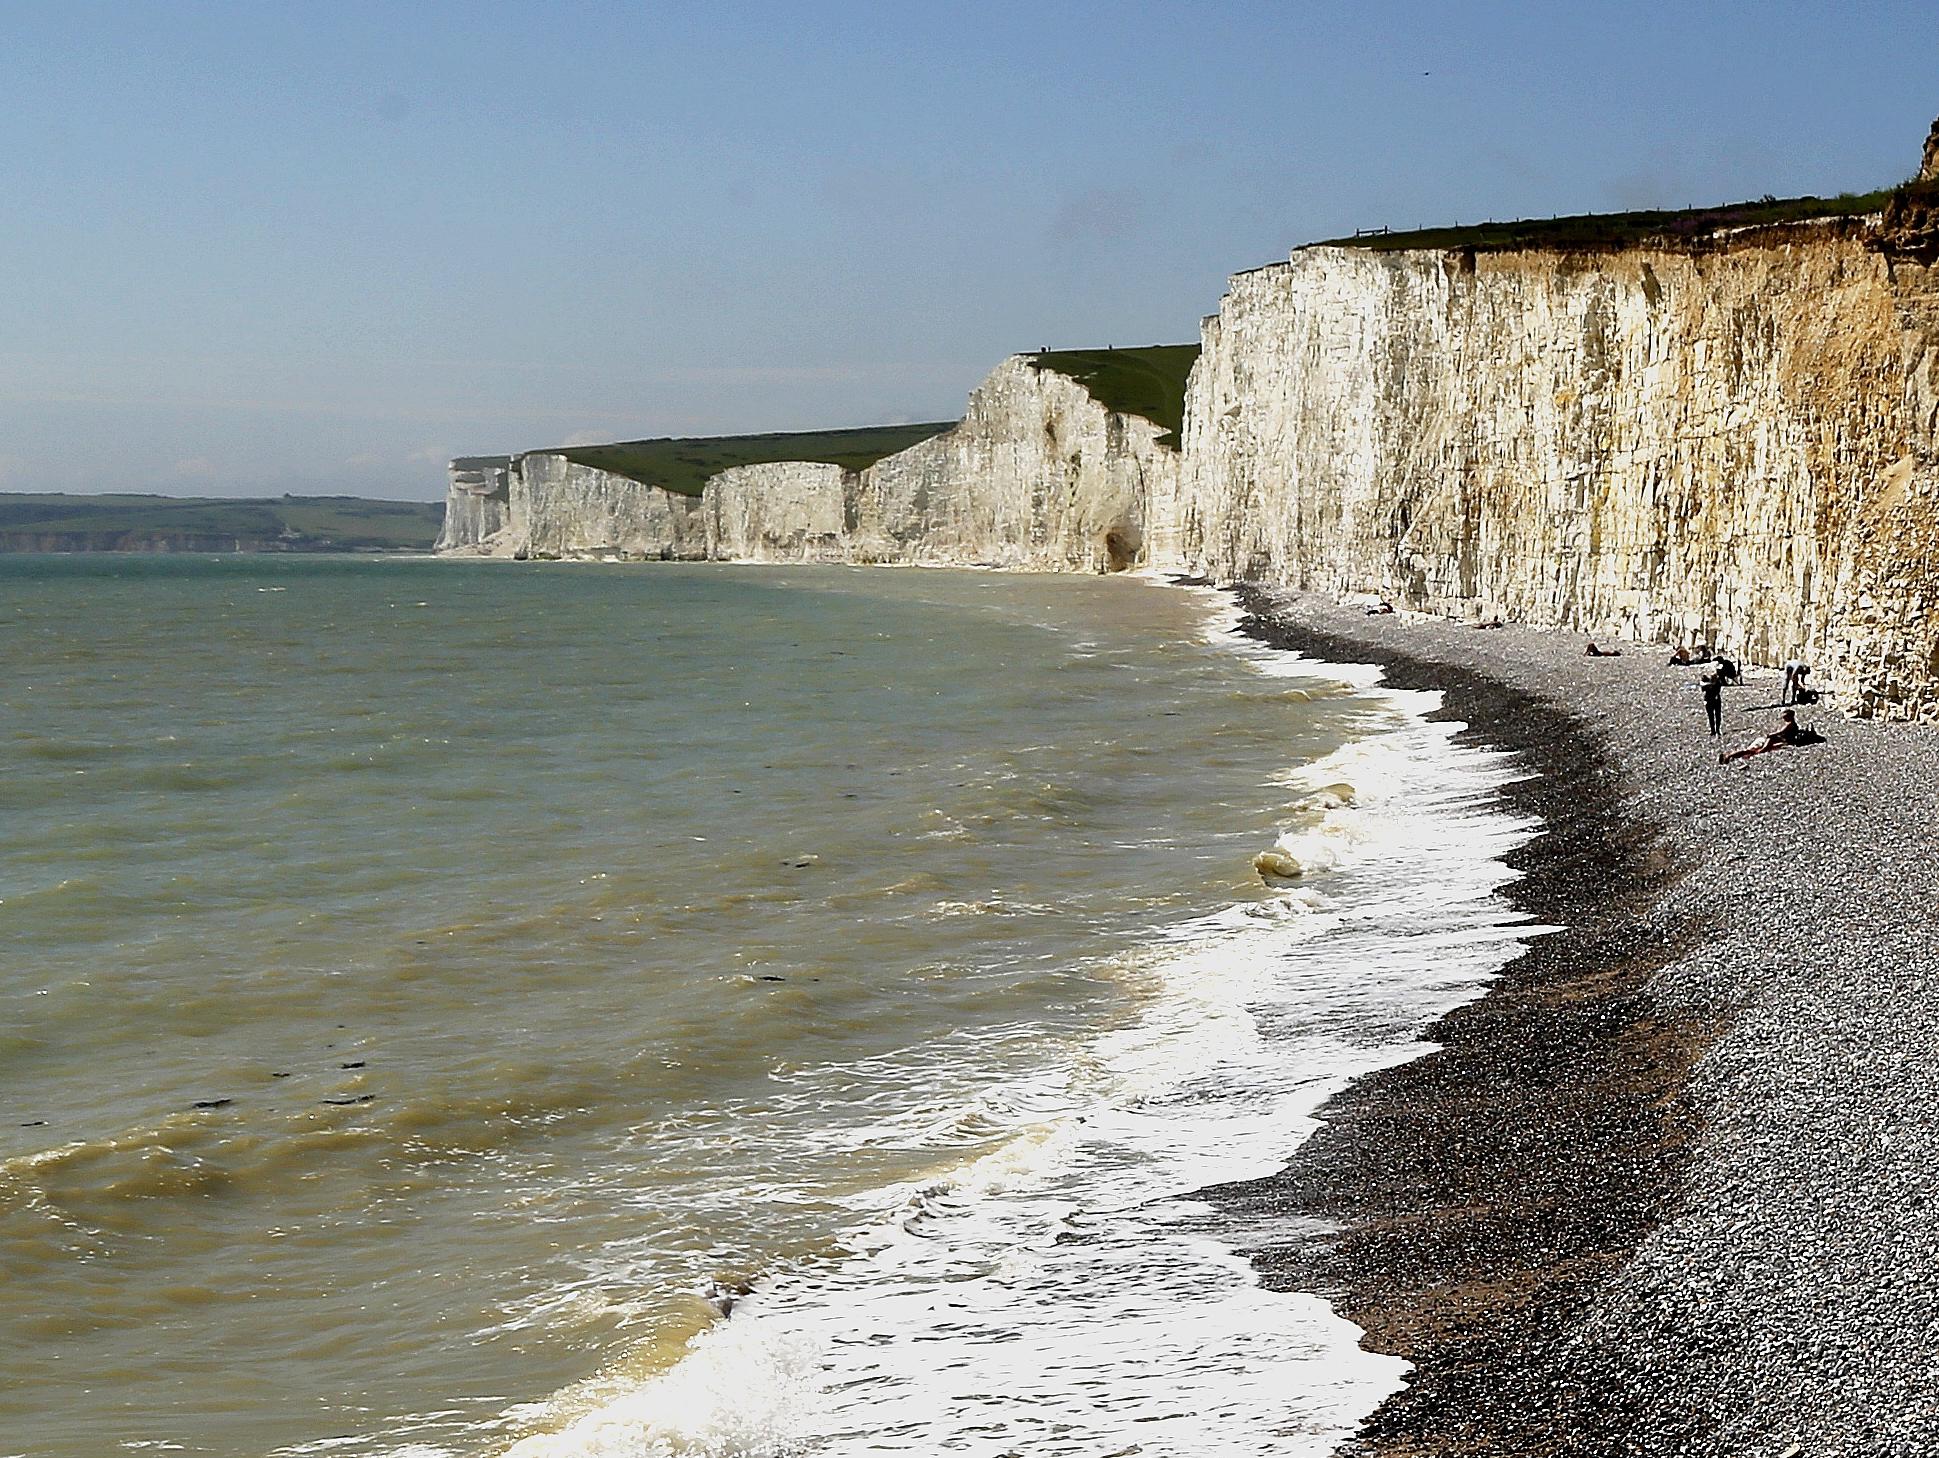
point(255, 248)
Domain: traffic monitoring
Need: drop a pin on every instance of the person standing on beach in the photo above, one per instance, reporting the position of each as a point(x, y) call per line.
point(1796, 670)
point(1713, 702)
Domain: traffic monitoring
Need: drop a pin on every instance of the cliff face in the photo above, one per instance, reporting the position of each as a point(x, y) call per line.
point(1037, 475)
point(786, 511)
point(1734, 445)
point(562, 509)
point(1734, 442)
point(477, 502)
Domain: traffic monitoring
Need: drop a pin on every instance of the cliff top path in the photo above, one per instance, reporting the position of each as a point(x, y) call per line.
point(1673, 1185)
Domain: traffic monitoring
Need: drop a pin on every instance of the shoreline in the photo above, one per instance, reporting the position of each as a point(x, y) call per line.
point(1460, 1267)
point(1577, 1217)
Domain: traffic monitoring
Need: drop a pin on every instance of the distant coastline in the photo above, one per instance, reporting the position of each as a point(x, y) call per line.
point(57, 522)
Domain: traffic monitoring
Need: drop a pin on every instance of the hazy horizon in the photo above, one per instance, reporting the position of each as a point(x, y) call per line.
point(318, 253)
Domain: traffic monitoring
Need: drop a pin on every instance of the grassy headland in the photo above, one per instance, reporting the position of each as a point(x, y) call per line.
point(57, 522)
point(1600, 232)
point(683, 463)
point(1148, 381)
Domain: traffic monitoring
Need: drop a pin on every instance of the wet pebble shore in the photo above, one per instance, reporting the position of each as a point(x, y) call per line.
point(1672, 1186)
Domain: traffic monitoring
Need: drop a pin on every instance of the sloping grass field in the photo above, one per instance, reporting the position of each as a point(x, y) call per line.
point(683, 463)
point(298, 523)
point(1148, 381)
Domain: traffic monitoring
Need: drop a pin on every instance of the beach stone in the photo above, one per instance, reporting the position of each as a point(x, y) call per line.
point(1276, 865)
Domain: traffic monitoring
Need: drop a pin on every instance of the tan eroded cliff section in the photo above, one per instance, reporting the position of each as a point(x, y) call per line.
point(1733, 445)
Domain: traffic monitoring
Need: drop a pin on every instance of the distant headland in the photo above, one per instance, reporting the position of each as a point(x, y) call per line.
point(57, 522)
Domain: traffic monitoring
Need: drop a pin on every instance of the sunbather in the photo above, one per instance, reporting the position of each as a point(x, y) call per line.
point(1786, 734)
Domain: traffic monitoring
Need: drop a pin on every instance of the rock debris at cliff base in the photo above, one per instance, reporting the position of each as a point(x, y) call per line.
point(1674, 1184)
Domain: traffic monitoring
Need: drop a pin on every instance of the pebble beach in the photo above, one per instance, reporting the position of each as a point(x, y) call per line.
point(1672, 1185)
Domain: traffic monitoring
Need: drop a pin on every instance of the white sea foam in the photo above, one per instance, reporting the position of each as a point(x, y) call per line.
point(1066, 1294)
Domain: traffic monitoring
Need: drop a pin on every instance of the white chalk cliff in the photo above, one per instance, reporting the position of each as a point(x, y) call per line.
point(1733, 443)
point(1734, 440)
point(1037, 475)
point(477, 501)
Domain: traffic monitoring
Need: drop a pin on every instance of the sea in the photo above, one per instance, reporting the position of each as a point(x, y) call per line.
point(551, 1010)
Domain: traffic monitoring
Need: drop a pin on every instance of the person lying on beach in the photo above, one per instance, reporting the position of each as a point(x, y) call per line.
point(1375, 610)
point(1691, 657)
point(1787, 733)
point(1495, 624)
point(1594, 652)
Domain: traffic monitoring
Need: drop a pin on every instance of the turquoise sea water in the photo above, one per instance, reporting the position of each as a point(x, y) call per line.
point(432, 994)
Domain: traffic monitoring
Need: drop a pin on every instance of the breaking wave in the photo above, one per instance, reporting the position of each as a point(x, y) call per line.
point(1071, 1293)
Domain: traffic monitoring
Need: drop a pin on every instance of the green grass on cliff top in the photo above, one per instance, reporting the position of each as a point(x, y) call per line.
point(1598, 232)
point(683, 463)
point(342, 523)
point(1148, 382)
